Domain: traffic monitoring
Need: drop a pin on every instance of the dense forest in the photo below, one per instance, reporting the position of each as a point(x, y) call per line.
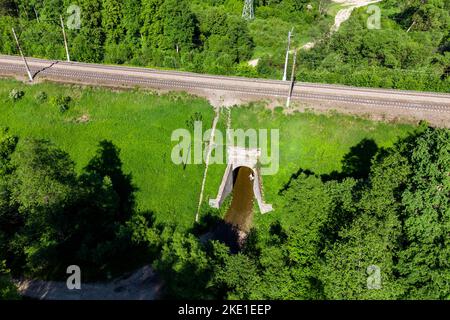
point(387, 209)
point(410, 51)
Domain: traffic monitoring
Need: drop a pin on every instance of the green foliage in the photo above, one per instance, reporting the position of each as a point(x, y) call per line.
point(51, 218)
point(42, 183)
point(394, 221)
point(239, 277)
point(16, 94)
point(41, 97)
point(7, 289)
point(62, 103)
point(184, 266)
point(8, 143)
point(135, 117)
point(374, 233)
point(9, 217)
point(425, 255)
point(403, 54)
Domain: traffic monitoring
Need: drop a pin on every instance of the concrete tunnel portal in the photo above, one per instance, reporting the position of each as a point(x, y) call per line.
point(243, 179)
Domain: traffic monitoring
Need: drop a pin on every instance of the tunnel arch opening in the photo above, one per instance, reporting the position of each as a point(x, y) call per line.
point(236, 172)
point(239, 159)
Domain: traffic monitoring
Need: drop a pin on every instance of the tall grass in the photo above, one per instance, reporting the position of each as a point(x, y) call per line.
point(139, 123)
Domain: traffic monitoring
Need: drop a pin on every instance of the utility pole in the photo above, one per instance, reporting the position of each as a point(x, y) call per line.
point(65, 38)
point(248, 13)
point(287, 55)
point(291, 89)
point(23, 57)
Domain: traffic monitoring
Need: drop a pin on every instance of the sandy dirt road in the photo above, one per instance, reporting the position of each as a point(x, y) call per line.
point(142, 284)
point(345, 13)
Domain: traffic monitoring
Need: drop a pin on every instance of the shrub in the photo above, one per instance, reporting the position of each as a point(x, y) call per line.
point(16, 94)
point(61, 102)
point(278, 110)
point(7, 288)
point(41, 97)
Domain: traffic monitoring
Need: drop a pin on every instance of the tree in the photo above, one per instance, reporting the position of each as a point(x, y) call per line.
point(8, 143)
point(425, 256)
point(308, 202)
point(43, 184)
point(112, 20)
point(88, 43)
point(10, 220)
point(8, 7)
point(184, 266)
point(99, 221)
point(151, 29)
point(8, 291)
point(239, 277)
point(51, 218)
point(116, 50)
point(168, 25)
point(178, 25)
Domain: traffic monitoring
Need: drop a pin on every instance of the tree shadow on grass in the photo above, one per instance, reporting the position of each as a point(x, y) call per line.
point(228, 234)
point(209, 219)
point(107, 163)
point(355, 164)
point(213, 227)
point(294, 177)
point(107, 202)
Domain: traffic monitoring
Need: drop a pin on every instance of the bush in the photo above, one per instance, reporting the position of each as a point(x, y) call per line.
point(16, 94)
point(7, 289)
point(278, 110)
point(41, 97)
point(61, 102)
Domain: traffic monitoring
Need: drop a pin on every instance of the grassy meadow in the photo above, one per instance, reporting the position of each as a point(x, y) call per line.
point(141, 122)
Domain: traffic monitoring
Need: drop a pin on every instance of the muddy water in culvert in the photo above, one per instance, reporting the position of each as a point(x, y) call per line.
point(240, 213)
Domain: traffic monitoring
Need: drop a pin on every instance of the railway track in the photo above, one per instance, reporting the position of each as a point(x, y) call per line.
point(160, 79)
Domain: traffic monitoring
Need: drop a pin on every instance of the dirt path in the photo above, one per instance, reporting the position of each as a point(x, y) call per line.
point(344, 14)
point(143, 284)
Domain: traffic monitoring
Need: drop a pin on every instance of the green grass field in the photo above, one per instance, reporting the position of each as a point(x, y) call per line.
point(141, 122)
